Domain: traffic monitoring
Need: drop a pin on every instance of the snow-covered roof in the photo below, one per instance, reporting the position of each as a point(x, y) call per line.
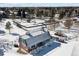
point(25, 37)
point(36, 37)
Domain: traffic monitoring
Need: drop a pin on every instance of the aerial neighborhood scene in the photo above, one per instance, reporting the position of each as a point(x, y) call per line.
point(39, 30)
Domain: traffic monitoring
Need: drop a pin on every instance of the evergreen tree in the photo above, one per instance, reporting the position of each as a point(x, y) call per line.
point(19, 13)
point(0, 17)
point(62, 14)
point(23, 14)
point(8, 26)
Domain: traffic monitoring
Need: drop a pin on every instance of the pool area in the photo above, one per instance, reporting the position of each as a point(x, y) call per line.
point(45, 49)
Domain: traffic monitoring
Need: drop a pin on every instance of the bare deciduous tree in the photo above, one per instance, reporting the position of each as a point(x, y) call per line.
point(53, 24)
point(68, 23)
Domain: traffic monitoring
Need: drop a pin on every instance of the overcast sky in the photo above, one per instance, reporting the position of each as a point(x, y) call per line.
point(38, 4)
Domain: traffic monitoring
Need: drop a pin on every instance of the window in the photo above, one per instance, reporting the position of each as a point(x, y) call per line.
point(33, 46)
point(40, 44)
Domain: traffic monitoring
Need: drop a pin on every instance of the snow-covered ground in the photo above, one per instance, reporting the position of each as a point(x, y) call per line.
point(69, 49)
point(75, 51)
point(13, 52)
